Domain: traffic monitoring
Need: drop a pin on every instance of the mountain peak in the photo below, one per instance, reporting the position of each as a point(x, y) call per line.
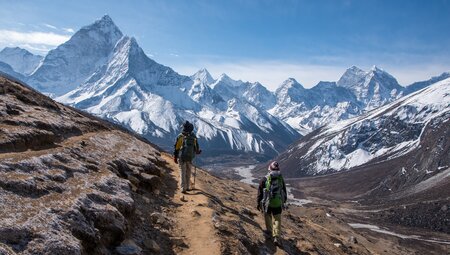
point(203, 75)
point(354, 69)
point(106, 18)
point(21, 60)
point(105, 25)
point(224, 76)
point(376, 69)
point(381, 73)
point(16, 50)
point(72, 62)
point(291, 83)
point(105, 21)
point(351, 76)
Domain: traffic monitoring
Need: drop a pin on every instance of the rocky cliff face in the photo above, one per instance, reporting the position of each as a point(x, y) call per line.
point(67, 180)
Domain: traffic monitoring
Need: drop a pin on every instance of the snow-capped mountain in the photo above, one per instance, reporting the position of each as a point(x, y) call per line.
point(21, 60)
point(73, 62)
point(103, 72)
point(373, 88)
point(309, 109)
point(203, 76)
point(153, 100)
point(384, 134)
point(355, 93)
point(253, 93)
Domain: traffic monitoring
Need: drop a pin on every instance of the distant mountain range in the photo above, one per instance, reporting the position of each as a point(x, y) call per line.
point(106, 73)
point(414, 127)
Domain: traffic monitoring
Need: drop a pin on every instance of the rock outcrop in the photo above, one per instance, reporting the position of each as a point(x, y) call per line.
point(68, 181)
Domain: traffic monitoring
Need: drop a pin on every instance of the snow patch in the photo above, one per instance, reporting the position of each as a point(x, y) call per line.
point(246, 173)
point(387, 232)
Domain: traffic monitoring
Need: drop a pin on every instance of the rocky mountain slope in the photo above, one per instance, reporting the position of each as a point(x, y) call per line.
point(21, 60)
point(74, 184)
point(68, 180)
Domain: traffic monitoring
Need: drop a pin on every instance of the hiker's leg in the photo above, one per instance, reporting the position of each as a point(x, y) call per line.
point(277, 225)
point(183, 176)
point(268, 220)
point(188, 175)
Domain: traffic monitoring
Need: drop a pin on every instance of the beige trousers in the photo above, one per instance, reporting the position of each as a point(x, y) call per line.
point(273, 226)
point(186, 167)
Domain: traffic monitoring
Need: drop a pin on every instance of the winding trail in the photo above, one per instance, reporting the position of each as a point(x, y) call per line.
point(194, 219)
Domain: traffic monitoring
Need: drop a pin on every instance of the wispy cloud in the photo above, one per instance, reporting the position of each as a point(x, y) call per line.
point(40, 38)
point(64, 29)
point(69, 30)
point(50, 26)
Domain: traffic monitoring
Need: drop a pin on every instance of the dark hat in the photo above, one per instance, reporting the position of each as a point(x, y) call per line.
point(188, 127)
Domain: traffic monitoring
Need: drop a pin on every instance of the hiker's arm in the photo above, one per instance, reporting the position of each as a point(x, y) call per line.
point(260, 191)
point(285, 191)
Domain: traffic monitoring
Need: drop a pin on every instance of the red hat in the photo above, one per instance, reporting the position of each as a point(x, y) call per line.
point(274, 166)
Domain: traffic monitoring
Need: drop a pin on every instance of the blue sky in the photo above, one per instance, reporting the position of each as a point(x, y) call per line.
point(266, 41)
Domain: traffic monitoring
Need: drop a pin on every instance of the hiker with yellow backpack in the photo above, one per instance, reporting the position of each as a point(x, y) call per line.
point(186, 147)
point(272, 198)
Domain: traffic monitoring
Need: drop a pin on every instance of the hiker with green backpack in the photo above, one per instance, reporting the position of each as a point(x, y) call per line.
point(186, 147)
point(272, 198)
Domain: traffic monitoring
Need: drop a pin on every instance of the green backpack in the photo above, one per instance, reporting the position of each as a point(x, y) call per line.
point(188, 148)
point(275, 191)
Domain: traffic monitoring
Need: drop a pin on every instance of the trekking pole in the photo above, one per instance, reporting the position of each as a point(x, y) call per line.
point(195, 173)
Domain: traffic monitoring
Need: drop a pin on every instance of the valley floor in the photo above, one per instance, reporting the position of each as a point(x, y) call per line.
point(219, 217)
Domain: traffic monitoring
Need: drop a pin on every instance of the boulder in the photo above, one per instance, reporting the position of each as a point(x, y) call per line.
point(152, 245)
point(128, 247)
point(150, 182)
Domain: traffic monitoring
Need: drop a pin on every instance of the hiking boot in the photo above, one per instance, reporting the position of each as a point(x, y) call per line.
point(276, 241)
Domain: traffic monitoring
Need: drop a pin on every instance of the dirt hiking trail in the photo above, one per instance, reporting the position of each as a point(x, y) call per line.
point(194, 218)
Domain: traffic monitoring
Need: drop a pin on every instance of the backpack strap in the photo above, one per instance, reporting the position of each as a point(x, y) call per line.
point(268, 182)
